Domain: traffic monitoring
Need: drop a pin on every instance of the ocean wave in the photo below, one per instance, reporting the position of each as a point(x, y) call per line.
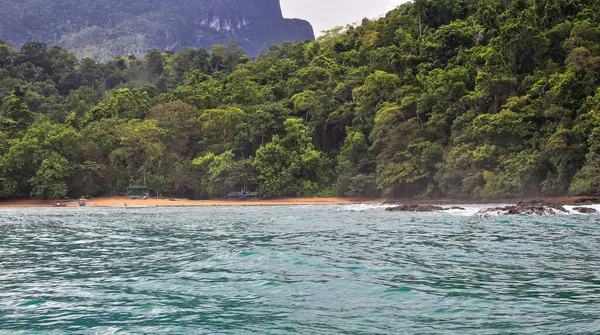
point(574, 212)
point(362, 207)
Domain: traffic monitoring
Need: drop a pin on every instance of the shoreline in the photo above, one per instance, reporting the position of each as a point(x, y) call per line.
point(121, 201)
point(182, 202)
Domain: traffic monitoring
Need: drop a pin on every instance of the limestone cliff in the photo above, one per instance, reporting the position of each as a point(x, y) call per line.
point(108, 28)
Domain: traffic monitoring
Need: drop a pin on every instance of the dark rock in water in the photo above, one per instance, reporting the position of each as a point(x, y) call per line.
point(541, 203)
point(420, 208)
point(537, 207)
point(585, 210)
point(414, 208)
point(105, 29)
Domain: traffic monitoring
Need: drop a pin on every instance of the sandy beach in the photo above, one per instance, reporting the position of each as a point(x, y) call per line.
point(122, 201)
point(175, 202)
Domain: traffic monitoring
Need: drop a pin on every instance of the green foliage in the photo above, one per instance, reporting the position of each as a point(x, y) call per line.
point(461, 99)
point(352, 162)
point(141, 147)
point(122, 103)
point(40, 162)
point(14, 108)
point(222, 173)
point(49, 179)
point(290, 166)
point(220, 128)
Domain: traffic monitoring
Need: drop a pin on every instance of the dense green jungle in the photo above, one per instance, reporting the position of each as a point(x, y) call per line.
point(439, 98)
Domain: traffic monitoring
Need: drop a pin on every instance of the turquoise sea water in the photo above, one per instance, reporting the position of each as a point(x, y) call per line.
point(296, 270)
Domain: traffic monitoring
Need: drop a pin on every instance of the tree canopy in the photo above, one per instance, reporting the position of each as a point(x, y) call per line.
point(461, 99)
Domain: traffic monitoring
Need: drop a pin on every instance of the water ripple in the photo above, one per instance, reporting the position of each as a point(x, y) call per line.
point(295, 270)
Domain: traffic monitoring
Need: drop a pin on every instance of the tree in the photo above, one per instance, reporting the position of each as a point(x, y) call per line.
point(379, 88)
point(40, 163)
point(290, 166)
point(100, 174)
point(200, 91)
point(354, 165)
point(78, 103)
point(15, 108)
point(180, 122)
point(141, 147)
point(241, 90)
point(222, 174)
point(226, 57)
point(122, 103)
point(220, 128)
point(7, 55)
point(35, 53)
point(49, 179)
point(587, 179)
point(155, 62)
point(90, 72)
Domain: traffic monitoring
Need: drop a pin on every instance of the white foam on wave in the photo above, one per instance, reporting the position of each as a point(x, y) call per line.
point(549, 210)
point(571, 211)
point(472, 210)
point(363, 207)
point(469, 210)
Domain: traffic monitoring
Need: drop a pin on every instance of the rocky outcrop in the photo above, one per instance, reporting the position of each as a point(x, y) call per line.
point(109, 28)
point(538, 207)
point(419, 208)
point(585, 210)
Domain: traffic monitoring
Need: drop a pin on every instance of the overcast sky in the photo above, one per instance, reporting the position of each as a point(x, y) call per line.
point(326, 14)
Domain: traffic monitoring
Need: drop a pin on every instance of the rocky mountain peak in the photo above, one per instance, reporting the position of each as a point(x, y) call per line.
point(109, 28)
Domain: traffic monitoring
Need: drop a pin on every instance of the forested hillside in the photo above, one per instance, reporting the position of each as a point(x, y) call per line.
point(441, 98)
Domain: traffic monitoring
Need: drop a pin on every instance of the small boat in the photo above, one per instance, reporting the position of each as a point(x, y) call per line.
point(60, 204)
